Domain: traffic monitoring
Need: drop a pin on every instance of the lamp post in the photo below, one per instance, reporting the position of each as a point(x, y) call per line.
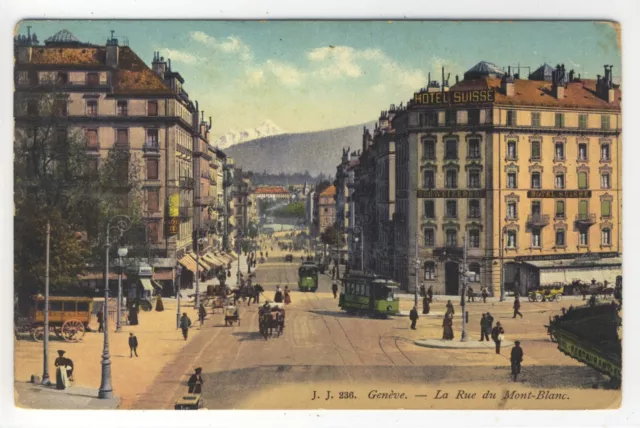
point(465, 273)
point(122, 252)
point(504, 230)
point(120, 223)
point(199, 242)
point(45, 369)
point(177, 288)
point(358, 230)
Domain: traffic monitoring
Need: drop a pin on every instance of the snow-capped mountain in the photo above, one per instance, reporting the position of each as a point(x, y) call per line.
point(266, 129)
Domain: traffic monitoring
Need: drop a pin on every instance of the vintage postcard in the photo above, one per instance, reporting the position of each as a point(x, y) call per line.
point(317, 215)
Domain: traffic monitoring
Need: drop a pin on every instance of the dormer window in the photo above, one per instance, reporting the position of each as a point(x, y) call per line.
point(152, 108)
point(93, 79)
point(62, 78)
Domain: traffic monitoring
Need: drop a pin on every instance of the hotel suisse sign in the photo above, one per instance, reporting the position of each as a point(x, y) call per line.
point(451, 193)
point(454, 97)
point(558, 194)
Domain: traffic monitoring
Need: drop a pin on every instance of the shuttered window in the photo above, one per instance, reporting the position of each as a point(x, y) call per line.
point(92, 138)
point(152, 169)
point(583, 207)
point(606, 209)
point(582, 180)
point(560, 209)
point(152, 200)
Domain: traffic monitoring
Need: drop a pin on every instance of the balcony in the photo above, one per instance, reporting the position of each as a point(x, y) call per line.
point(187, 182)
point(186, 212)
point(151, 146)
point(448, 252)
point(585, 219)
point(204, 201)
point(537, 220)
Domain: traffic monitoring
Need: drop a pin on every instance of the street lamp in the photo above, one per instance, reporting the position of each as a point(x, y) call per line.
point(122, 252)
point(177, 288)
point(504, 231)
point(120, 223)
point(45, 372)
point(358, 229)
point(199, 242)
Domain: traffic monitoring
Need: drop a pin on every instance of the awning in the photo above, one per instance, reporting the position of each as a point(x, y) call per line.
point(162, 274)
point(201, 260)
point(155, 284)
point(189, 264)
point(99, 275)
point(225, 258)
point(600, 270)
point(233, 255)
point(212, 260)
point(146, 284)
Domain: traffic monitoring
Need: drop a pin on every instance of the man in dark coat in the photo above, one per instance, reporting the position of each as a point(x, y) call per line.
point(202, 313)
point(133, 345)
point(413, 316)
point(278, 297)
point(334, 288)
point(430, 294)
point(257, 289)
point(516, 360)
point(425, 305)
point(496, 336)
point(185, 323)
point(470, 295)
point(450, 308)
point(516, 307)
point(195, 382)
point(483, 328)
point(100, 317)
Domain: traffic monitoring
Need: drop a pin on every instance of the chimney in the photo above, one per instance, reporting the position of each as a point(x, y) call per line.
point(113, 52)
point(457, 79)
point(158, 65)
point(506, 84)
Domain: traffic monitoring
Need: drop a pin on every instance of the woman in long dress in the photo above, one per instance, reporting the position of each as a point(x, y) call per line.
point(447, 327)
point(287, 295)
point(62, 371)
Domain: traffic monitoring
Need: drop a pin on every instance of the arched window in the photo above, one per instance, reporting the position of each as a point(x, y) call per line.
point(429, 271)
point(475, 268)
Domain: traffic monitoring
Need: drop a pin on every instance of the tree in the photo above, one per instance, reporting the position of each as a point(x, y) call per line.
point(332, 237)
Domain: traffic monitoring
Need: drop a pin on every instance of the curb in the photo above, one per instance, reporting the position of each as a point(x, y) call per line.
point(471, 343)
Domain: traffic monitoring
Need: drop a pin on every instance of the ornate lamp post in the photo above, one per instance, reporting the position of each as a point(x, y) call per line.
point(121, 224)
point(45, 370)
point(358, 229)
point(199, 242)
point(122, 252)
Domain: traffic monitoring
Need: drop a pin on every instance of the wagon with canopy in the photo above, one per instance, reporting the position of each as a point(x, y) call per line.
point(69, 317)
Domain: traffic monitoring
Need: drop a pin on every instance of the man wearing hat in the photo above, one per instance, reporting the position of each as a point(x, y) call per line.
point(516, 360)
point(195, 382)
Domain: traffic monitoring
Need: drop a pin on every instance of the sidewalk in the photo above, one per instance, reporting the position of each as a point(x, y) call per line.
point(35, 396)
point(471, 343)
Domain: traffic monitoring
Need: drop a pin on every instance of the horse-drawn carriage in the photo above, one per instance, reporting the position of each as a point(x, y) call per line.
point(551, 293)
point(231, 315)
point(68, 318)
point(271, 319)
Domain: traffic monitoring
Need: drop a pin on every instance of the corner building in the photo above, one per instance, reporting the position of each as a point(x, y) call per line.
point(528, 169)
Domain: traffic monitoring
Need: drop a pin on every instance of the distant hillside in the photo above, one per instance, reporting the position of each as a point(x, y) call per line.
point(315, 152)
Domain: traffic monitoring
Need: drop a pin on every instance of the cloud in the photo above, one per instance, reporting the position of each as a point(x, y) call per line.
point(286, 74)
point(255, 77)
point(179, 56)
point(229, 45)
point(203, 38)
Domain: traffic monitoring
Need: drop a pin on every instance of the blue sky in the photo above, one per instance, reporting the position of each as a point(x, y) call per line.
point(314, 75)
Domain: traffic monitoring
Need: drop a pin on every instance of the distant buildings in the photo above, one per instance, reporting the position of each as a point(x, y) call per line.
point(272, 193)
point(326, 208)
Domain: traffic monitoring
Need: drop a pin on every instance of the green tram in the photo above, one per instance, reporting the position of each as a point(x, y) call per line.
point(370, 294)
point(308, 277)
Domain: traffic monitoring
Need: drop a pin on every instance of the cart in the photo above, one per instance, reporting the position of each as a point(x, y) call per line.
point(68, 317)
point(547, 294)
point(189, 402)
point(231, 315)
point(219, 303)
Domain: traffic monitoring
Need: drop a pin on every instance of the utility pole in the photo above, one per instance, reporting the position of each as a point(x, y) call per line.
point(45, 369)
point(415, 294)
point(463, 336)
point(196, 150)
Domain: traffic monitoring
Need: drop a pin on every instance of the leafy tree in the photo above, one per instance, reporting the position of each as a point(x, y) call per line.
point(332, 237)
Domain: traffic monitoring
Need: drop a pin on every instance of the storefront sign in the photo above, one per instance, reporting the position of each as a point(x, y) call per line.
point(454, 97)
point(174, 225)
point(558, 194)
point(451, 193)
point(587, 356)
point(174, 205)
point(571, 256)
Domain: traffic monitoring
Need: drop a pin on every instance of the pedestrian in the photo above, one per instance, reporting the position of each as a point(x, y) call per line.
point(483, 328)
point(489, 323)
point(195, 382)
point(100, 317)
point(497, 334)
point(334, 288)
point(287, 295)
point(202, 313)
point(185, 323)
point(133, 345)
point(447, 326)
point(584, 291)
point(430, 293)
point(277, 298)
point(413, 316)
point(485, 293)
point(333, 272)
point(423, 292)
point(516, 360)
point(425, 305)
point(236, 296)
point(470, 296)
point(450, 308)
point(516, 307)
point(257, 289)
point(64, 370)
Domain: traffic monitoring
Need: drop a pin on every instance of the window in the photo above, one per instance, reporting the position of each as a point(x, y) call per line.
point(605, 182)
point(474, 238)
point(605, 153)
point(152, 169)
point(474, 208)
point(605, 208)
point(560, 209)
point(93, 79)
point(512, 211)
point(429, 149)
point(583, 237)
point(511, 180)
point(429, 209)
point(152, 138)
point(535, 150)
point(475, 268)
point(62, 78)
point(122, 108)
point(606, 237)
point(583, 209)
point(91, 135)
point(582, 180)
point(536, 208)
point(122, 137)
point(560, 241)
point(473, 149)
point(473, 117)
point(512, 152)
point(451, 179)
point(32, 107)
point(428, 179)
point(559, 151)
point(429, 118)
point(55, 306)
point(450, 117)
point(535, 119)
point(451, 209)
point(535, 237)
point(429, 238)
point(451, 150)
point(582, 152)
point(535, 180)
point(34, 78)
point(83, 306)
point(153, 200)
point(474, 179)
point(429, 271)
point(559, 181)
point(451, 238)
point(92, 108)
point(153, 232)
point(511, 118)
point(60, 107)
point(511, 239)
point(583, 121)
point(152, 108)
point(559, 120)
point(122, 170)
point(604, 121)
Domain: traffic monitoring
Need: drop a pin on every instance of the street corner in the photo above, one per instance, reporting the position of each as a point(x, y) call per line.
point(29, 395)
point(470, 343)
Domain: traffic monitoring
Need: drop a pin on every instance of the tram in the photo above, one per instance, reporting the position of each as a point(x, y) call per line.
point(369, 294)
point(308, 277)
